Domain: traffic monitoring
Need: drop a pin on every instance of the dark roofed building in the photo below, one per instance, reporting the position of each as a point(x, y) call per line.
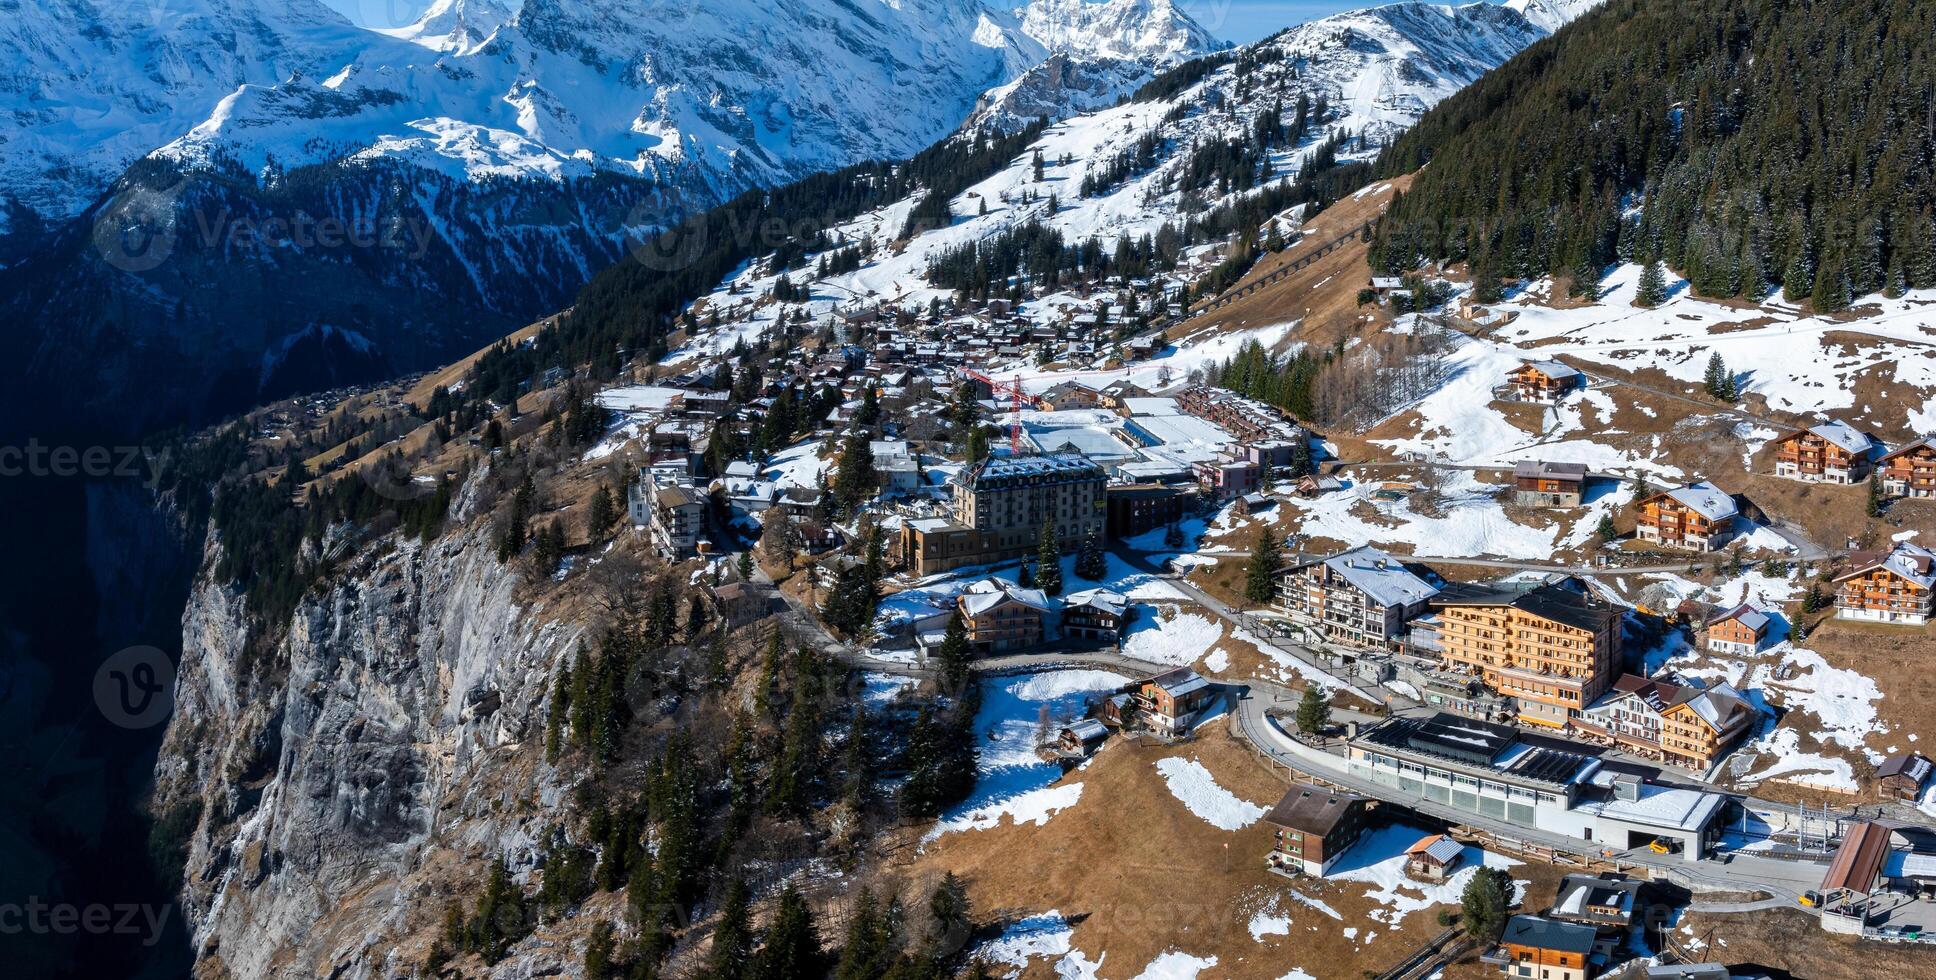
point(1540, 484)
point(1903, 776)
point(1608, 902)
point(1547, 949)
point(1314, 827)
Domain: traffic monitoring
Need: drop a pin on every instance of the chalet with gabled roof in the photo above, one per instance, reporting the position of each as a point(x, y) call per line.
point(1832, 452)
point(1001, 616)
point(1739, 632)
point(1697, 517)
point(1892, 587)
point(1543, 381)
point(1315, 826)
point(1911, 470)
point(1171, 701)
point(1362, 596)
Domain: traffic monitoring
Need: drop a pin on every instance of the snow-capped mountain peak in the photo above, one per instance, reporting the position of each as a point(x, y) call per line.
point(1551, 15)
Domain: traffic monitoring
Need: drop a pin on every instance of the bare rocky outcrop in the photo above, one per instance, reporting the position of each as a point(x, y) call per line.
point(353, 775)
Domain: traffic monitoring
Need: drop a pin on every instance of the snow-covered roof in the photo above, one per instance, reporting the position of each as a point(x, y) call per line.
point(1103, 599)
point(1705, 499)
point(1382, 578)
point(1913, 563)
point(1152, 406)
point(1749, 616)
point(991, 592)
point(1719, 706)
point(1844, 436)
point(1667, 807)
point(1553, 369)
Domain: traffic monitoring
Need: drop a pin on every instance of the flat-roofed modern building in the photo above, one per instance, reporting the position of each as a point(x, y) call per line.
point(1501, 774)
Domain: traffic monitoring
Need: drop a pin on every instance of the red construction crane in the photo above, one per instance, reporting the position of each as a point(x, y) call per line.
point(1013, 391)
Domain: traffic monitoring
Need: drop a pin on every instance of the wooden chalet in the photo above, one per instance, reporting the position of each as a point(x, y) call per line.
point(1538, 484)
point(1543, 381)
point(1315, 826)
point(1094, 614)
point(1001, 616)
point(1608, 902)
point(1433, 858)
point(1696, 517)
point(1832, 452)
point(1547, 949)
point(1081, 738)
point(1893, 587)
point(1171, 702)
point(1911, 470)
point(1903, 777)
point(1739, 632)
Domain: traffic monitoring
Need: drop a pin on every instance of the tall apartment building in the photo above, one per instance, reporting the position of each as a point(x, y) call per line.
point(670, 509)
point(1553, 649)
point(1008, 499)
point(1832, 452)
point(1000, 506)
point(1362, 596)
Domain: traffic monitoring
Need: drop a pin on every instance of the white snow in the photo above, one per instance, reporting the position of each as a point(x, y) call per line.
point(1198, 790)
point(1174, 965)
point(1012, 781)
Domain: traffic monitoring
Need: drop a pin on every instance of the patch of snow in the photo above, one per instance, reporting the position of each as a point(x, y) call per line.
point(1198, 790)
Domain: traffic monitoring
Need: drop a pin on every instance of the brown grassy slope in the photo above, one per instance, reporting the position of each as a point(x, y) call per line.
point(1140, 875)
point(1323, 294)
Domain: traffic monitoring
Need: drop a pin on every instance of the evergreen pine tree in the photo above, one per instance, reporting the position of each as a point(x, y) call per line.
point(1486, 903)
point(950, 914)
point(1606, 530)
point(1260, 581)
point(744, 564)
point(1653, 286)
point(955, 654)
point(1090, 563)
point(601, 951)
point(1874, 505)
point(1313, 710)
point(732, 935)
point(792, 947)
point(1173, 537)
point(603, 514)
point(1048, 559)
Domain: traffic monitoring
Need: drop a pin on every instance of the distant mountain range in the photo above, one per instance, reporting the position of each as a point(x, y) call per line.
point(195, 192)
point(207, 203)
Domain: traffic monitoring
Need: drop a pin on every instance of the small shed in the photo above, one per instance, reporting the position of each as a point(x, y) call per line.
point(1082, 737)
point(1252, 503)
point(1433, 858)
point(1903, 776)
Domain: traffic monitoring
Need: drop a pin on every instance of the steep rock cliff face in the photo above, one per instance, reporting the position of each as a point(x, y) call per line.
point(356, 775)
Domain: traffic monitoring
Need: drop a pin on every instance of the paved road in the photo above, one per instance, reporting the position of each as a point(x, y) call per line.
point(1693, 562)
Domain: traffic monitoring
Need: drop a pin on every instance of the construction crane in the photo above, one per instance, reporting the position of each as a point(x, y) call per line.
point(1012, 390)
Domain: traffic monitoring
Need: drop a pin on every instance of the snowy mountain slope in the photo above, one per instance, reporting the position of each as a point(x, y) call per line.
point(717, 96)
point(1551, 15)
point(1376, 70)
point(86, 86)
point(488, 159)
